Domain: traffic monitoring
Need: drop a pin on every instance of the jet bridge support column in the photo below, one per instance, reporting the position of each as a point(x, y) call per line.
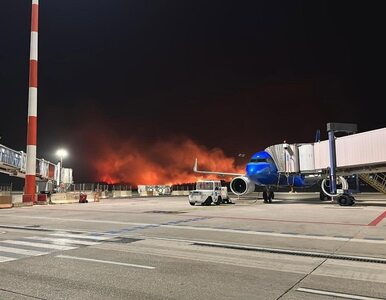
point(333, 128)
point(331, 142)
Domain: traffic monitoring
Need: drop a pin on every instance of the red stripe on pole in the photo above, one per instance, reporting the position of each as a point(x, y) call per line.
point(32, 131)
point(33, 73)
point(29, 189)
point(35, 17)
point(378, 219)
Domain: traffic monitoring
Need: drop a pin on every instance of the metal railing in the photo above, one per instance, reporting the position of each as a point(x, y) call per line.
point(12, 158)
point(12, 161)
point(377, 181)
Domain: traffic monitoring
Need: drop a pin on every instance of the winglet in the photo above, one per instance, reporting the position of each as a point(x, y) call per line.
point(195, 167)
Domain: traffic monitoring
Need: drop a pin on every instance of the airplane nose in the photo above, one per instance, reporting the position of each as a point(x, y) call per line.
point(255, 169)
point(251, 169)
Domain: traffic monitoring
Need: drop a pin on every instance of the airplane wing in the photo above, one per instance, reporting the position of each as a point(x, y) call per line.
point(195, 169)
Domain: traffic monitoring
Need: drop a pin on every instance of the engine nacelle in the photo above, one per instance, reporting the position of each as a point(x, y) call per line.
point(242, 185)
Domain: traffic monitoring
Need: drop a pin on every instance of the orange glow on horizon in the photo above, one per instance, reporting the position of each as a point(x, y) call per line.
point(162, 162)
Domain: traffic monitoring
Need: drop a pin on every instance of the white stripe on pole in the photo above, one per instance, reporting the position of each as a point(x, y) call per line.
point(31, 163)
point(33, 99)
point(34, 46)
point(35, 2)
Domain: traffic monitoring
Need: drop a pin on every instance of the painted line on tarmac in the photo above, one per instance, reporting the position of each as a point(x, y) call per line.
point(22, 251)
point(5, 258)
point(378, 219)
point(112, 233)
point(290, 235)
point(78, 220)
point(334, 294)
point(61, 241)
point(249, 247)
point(79, 236)
point(277, 220)
point(146, 226)
point(106, 262)
point(37, 245)
point(190, 215)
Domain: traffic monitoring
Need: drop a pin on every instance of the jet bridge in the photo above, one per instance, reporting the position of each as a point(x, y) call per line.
point(361, 153)
point(13, 163)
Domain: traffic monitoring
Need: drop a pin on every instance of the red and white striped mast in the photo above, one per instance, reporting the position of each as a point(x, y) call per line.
point(30, 177)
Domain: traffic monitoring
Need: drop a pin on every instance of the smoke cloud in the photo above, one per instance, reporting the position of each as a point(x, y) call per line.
point(170, 161)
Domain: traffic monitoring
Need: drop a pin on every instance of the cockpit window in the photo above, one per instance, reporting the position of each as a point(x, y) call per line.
point(257, 160)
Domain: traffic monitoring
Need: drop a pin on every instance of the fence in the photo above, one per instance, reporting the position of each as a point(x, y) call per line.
point(183, 187)
point(82, 187)
point(5, 195)
point(6, 188)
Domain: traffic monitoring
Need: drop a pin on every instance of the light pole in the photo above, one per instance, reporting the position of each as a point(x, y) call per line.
point(62, 153)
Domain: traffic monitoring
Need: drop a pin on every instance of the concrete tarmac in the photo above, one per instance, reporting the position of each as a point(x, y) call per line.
point(163, 248)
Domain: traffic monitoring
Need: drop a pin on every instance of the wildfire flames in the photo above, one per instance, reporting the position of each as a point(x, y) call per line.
point(159, 162)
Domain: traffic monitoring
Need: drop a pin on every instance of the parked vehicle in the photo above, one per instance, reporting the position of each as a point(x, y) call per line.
point(208, 192)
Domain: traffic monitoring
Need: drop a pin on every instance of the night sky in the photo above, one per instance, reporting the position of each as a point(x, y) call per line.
point(156, 82)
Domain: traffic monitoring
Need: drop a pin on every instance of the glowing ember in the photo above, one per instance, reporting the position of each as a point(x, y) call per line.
point(161, 162)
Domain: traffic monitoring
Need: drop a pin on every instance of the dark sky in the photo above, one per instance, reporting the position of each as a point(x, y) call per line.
point(238, 75)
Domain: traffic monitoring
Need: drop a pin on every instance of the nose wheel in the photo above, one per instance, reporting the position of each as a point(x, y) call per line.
point(268, 196)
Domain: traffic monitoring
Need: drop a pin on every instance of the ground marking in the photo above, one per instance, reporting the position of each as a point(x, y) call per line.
point(4, 258)
point(39, 245)
point(191, 215)
point(301, 236)
point(78, 236)
point(79, 220)
point(377, 219)
point(258, 248)
point(106, 262)
point(333, 294)
point(22, 251)
point(141, 225)
point(61, 241)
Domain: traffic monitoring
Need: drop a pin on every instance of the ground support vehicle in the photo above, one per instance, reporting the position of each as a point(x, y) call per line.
point(208, 192)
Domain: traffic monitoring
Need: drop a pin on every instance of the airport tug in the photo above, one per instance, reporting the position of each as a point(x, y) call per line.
point(208, 192)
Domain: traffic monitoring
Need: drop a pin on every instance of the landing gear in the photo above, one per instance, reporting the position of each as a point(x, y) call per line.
point(268, 196)
point(265, 197)
point(219, 201)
